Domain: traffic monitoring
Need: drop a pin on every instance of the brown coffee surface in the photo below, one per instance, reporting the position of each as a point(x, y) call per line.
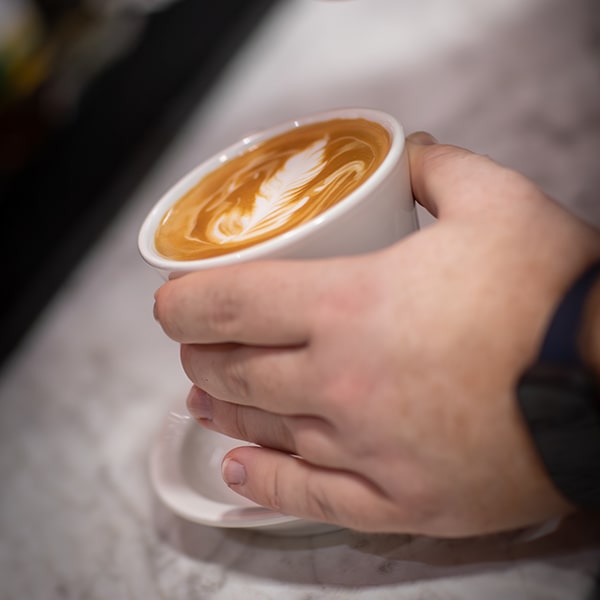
point(272, 187)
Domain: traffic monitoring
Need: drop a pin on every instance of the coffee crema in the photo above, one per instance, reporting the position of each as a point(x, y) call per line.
point(272, 187)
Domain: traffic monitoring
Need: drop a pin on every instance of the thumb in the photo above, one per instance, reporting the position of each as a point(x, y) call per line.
point(452, 181)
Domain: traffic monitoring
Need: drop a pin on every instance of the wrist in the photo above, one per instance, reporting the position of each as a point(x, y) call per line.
point(559, 395)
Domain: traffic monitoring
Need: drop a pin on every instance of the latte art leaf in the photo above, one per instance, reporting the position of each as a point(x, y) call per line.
point(272, 187)
point(277, 199)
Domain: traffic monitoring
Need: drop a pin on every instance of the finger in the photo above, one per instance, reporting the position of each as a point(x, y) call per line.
point(449, 180)
point(310, 437)
point(263, 303)
point(295, 487)
point(273, 379)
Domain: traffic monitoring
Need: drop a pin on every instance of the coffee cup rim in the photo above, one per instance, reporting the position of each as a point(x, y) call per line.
point(263, 249)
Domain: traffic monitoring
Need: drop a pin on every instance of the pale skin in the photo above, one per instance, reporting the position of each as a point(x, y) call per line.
point(381, 388)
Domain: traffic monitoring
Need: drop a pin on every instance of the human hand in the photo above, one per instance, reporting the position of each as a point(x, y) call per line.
point(380, 388)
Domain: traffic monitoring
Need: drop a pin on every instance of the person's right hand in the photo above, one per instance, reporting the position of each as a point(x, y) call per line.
point(391, 375)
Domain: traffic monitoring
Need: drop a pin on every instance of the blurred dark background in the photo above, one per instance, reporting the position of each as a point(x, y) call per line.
point(90, 93)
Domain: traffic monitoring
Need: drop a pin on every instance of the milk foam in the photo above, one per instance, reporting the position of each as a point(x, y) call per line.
point(275, 203)
point(272, 187)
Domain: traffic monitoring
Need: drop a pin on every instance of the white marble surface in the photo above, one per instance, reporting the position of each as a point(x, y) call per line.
point(82, 399)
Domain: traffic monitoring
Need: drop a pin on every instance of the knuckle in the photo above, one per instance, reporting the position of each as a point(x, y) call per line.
point(223, 314)
point(420, 506)
point(345, 299)
point(345, 388)
point(320, 506)
point(164, 312)
point(235, 378)
point(345, 509)
point(310, 437)
point(273, 490)
point(443, 155)
point(187, 356)
point(241, 428)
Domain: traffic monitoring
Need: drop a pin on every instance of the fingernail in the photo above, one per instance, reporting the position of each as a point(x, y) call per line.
point(423, 138)
point(233, 472)
point(155, 312)
point(199, 404)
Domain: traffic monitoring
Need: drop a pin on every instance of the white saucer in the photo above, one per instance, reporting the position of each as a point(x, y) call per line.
point(185, 470)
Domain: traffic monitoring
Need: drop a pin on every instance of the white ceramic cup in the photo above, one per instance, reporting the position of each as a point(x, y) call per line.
point(185, 461)
point(375, 215)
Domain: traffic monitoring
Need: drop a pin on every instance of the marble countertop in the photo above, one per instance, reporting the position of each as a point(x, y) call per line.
point(83, 398)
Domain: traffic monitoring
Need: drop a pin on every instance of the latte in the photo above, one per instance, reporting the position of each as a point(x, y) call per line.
point(272, 187)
